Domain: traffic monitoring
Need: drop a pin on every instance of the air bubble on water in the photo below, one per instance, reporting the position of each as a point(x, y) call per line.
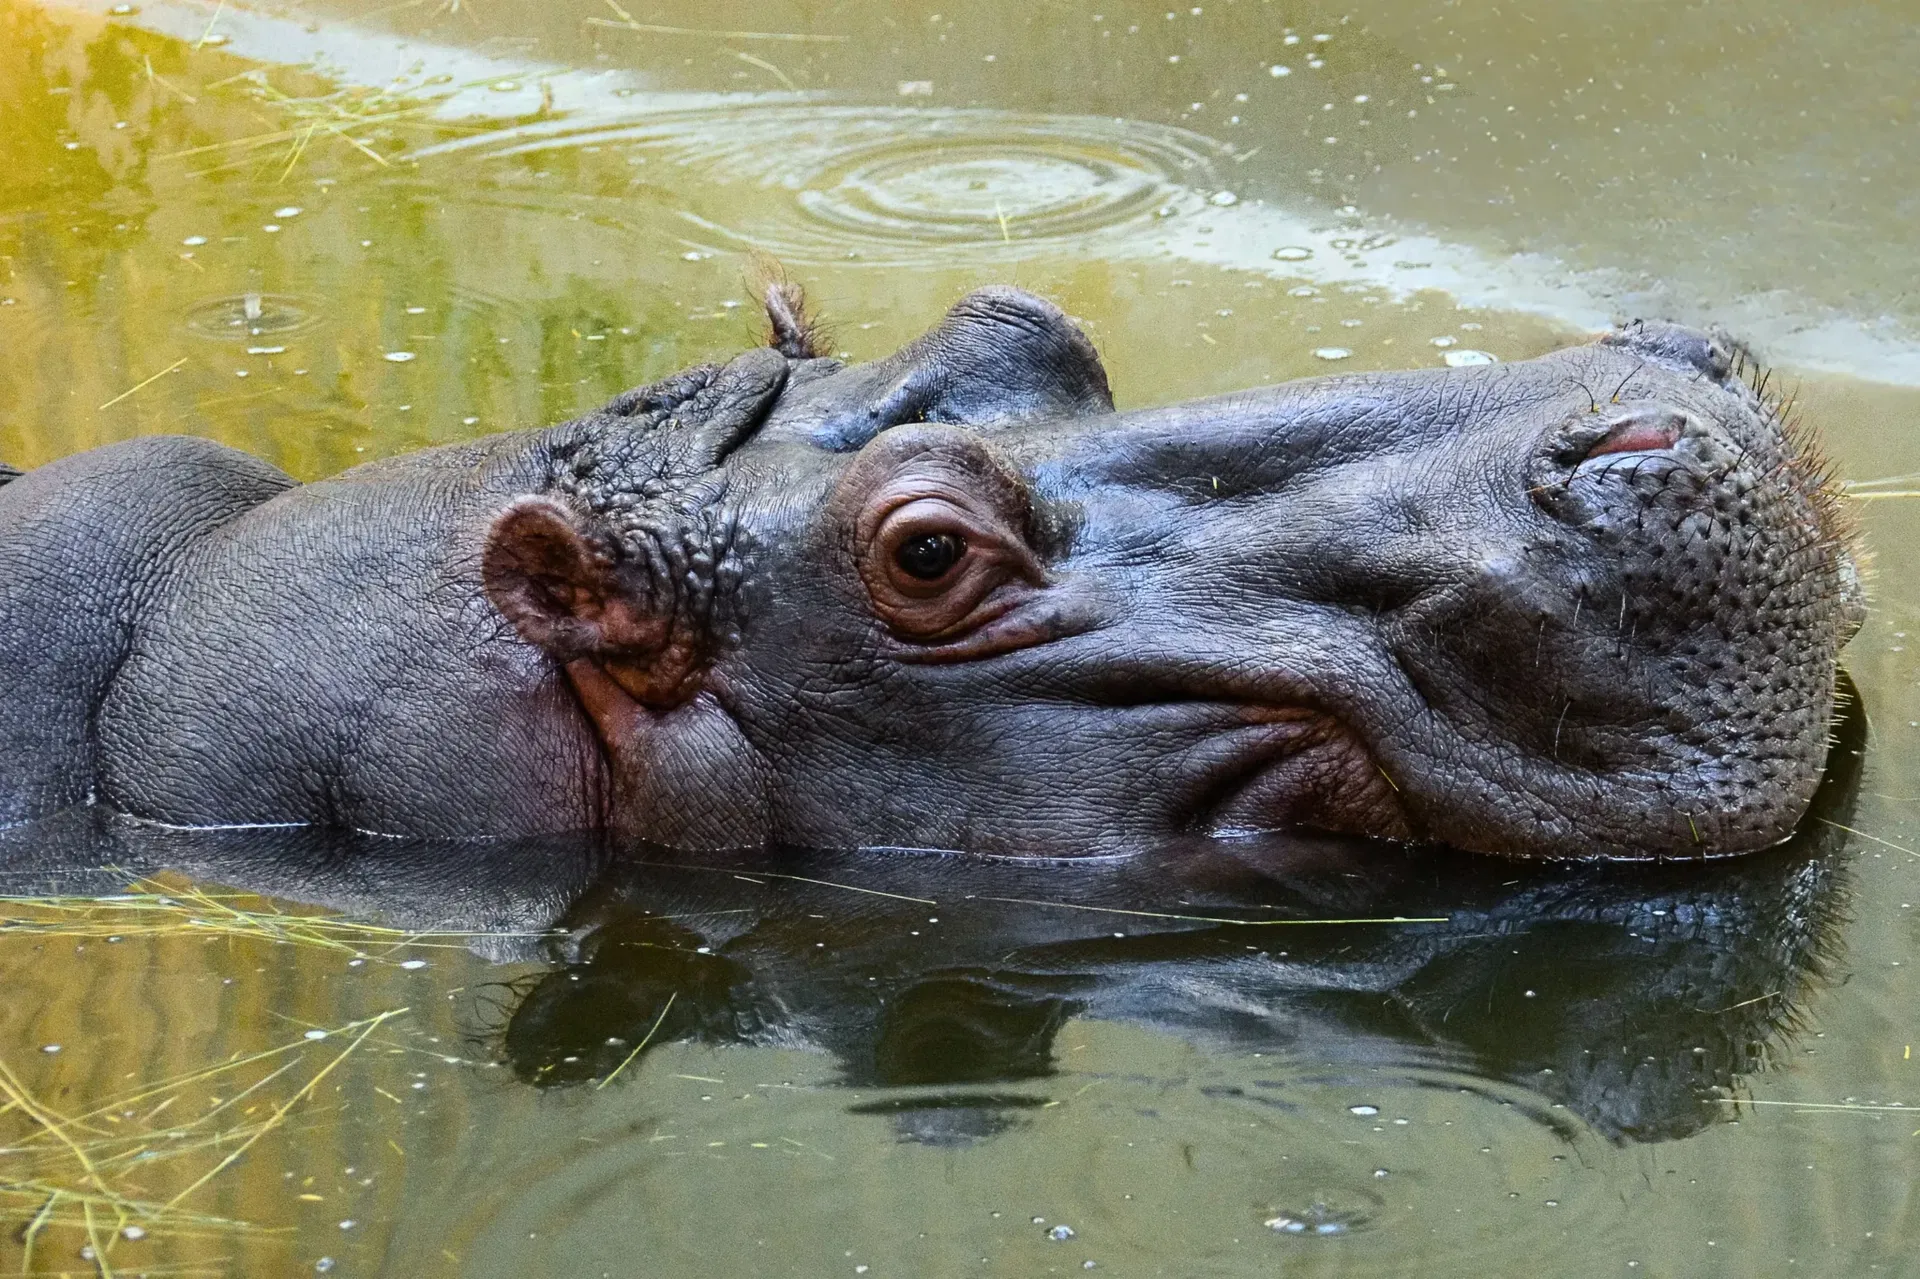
point(416, 310)
point(1444, 341)
point(1350, 324)
point(1466, 358)
point(1060, 1234)
point(194, 241)
point(414, 963)
point(134, 1232)
point(266, 350)
point(1276, 71)
point(1303, 291)
point(1223, 199)
point(348, 1224)
point(316, 1034)
point(1292, 253)
point(397, 357)
point(50, 1048)
point(271, 227)
point(288, 211)
point(469, 421)
point(323, 1265)
point(1381, 1174)
point(1363, 1110)
point(1336, 353)
point(504, 86)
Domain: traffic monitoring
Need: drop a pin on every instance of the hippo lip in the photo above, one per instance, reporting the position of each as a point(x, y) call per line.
point(1298, 767)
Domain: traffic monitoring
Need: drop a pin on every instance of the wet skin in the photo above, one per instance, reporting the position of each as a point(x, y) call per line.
point(1589, 604)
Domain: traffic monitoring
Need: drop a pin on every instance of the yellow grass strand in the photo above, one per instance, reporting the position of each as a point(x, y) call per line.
point(273, 1121)
point(141, 385)
point(644, 1041)
point(1217, 919)
point(1898, 848)
point(803, 879)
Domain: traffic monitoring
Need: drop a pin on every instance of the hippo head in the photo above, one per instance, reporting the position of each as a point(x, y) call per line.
point(1583, 605)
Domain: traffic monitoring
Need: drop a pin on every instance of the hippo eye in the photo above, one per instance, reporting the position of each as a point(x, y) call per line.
point(930, 556)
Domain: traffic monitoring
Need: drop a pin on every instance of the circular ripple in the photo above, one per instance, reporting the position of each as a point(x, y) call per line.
point(984, 191)
point(898, 185)
point(251, 315)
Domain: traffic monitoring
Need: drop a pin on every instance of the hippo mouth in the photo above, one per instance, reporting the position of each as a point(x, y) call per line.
point(1291, 767)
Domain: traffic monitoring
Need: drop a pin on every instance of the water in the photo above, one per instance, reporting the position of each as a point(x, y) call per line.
point(236, 220)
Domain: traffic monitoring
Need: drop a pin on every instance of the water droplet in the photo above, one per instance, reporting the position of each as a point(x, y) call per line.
point(1341, 353)
point(323, 1265)
point(1465, 358)
point(397, 357)
point(1292, 253)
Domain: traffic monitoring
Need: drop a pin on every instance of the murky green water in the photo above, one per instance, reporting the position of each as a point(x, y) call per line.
point(331, 231)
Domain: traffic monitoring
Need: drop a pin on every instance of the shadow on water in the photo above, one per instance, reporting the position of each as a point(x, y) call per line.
point(1635, 998)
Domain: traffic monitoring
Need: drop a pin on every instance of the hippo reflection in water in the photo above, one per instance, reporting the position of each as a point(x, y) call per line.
point(1639, 998)
point(1588, 604)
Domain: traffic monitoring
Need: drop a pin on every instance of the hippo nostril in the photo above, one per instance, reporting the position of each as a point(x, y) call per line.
point(1641, 430)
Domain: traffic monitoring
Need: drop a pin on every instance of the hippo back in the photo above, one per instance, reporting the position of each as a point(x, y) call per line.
point(84, 543)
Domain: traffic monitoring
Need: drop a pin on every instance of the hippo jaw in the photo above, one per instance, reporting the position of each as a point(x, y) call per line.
point(1587, 605)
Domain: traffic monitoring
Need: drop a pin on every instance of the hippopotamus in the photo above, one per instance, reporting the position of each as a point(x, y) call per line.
point(1585, 605)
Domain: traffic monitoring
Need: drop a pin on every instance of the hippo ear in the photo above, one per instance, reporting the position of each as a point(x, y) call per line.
point(555, 577)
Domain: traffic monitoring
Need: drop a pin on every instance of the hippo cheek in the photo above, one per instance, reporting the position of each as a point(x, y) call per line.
point(1307, 769)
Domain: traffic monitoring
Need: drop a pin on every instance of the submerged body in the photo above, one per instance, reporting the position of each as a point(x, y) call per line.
point(1589, 604)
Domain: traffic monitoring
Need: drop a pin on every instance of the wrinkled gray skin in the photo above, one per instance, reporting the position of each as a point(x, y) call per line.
point(1588, 604)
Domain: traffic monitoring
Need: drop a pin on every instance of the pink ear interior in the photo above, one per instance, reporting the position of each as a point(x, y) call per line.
point(545, 575)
